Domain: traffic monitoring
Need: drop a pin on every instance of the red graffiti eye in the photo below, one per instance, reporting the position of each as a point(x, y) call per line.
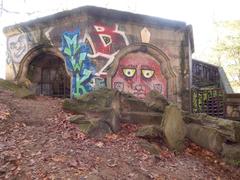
point(129, 72)
point(147, 73)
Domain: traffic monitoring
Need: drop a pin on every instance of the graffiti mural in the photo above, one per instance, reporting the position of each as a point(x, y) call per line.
point(138, 74)
point(105, 41)
point(78, 63)
point(19, 45)
point(17, 48)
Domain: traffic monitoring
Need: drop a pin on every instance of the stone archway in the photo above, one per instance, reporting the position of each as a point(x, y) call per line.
point(44, 67)
point(145, 66)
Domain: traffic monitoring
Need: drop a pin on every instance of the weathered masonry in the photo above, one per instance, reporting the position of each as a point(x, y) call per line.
point(74, 52)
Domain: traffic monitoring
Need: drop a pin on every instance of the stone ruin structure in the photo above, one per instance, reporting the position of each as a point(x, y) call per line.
point(78, 53)
point(72, 53)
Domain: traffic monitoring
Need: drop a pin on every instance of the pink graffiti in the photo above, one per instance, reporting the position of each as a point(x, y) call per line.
point(139, 73)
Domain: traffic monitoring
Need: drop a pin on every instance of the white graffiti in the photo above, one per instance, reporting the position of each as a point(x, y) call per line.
point(17, 47)
point(47, 33)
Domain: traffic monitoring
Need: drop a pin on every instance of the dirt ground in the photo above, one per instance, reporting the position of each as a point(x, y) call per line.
point(38, 142)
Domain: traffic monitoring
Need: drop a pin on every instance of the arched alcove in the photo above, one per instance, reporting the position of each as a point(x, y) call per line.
point(142, 52)
point(44, 67)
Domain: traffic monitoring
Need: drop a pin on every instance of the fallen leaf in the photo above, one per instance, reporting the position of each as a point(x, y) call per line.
point(99, 144)
point(112, 136)
point(60, 158)
point(111, 163)
point(73, 163)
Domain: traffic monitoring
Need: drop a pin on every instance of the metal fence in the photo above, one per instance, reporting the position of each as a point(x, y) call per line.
point(210, 101)
point(204, 74)
point(216, 103)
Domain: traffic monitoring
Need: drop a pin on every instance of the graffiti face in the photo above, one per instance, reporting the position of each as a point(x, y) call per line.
point(17, 47)
point(139, 73)
point(78, 64)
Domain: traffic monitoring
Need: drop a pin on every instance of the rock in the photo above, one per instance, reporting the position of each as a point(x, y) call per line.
point(95, 101)
point(173, 127)
point(71, 105)
point(77, 119)
point(141, 117)
point(231, 153)
point(109, 116)
point(24, 93)
point(113, 116)
point(8, 85)
point(149, 132)
point(205, 137)
point(99, 130)
point(86, 126)
point(92, 126)
point(112, 119)
point(102, 105)
point(229, 129)
point(110, 106)
point(18, 90)
point(150, 147)
point(131, 103)
point(95, 128)
point(156, 101)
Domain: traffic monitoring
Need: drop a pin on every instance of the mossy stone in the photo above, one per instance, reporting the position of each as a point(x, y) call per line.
point(96, 101)
point(151, 131)
point(18, 90)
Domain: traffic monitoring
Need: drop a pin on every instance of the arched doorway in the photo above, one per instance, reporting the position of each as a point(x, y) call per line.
point(44, 66)
point(48, 75)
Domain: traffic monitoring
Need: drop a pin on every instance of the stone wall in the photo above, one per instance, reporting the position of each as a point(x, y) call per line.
point(101, 47)
point(232, 106)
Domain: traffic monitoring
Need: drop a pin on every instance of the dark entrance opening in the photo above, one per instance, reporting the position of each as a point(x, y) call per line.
point(48, 76)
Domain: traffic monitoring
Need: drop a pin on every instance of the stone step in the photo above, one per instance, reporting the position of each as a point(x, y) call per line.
point(133, 104)
point(141, 117)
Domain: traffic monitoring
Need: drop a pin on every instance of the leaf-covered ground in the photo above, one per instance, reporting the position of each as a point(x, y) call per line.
point(38, 142)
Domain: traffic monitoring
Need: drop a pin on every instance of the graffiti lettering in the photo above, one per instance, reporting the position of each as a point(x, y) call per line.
point(105, 42)
point(78, 64)
point(105, 36)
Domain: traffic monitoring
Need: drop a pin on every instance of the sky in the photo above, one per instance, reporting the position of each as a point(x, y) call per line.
point(200, 14)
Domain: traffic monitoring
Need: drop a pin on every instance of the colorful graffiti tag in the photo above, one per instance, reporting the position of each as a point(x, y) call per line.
point(78, 63)
point(105, 36)
point(139, 73)
point(105, 41)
